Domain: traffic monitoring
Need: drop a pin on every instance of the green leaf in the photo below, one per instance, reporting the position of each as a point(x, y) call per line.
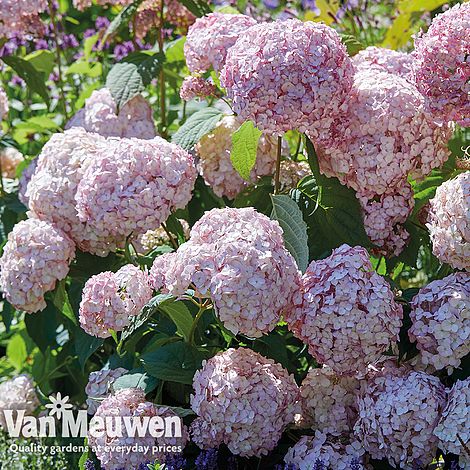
point(17, 351)
point(197, 125)
point(122, 19)
point(88, 45)
point(85, 345)
point(331, 211)
point(42, 327)
point(147, 311)
point(62, 302)
point(148, 64)
point(289, 216)
point(174, 51)
point(124, 82)
point(244, 148)
point(83, 459)
point(33, 78)
point(196, 7)
point(42, 60)
point(353, 45)
point(174, 362)
point(180, 316)
point(136, 378)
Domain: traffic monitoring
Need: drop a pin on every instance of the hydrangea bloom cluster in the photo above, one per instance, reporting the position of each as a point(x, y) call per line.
point(384, 217)
point(20, 17)
point(292, 172)
point(385, 60)
point(216, 167)
point(288, 75)
point(397, 417)
point(196, 87)
point(210, 37)
point(443, 69)
point(18, 394)
point(454, 421)
point(329, 401)
point(109, 300)
point(347, 315)
point(238, 258)
point(155, 238)
point(36, 256)
point(10, 158)
point(3, 103)
point(441, 321)
point(83, 4)
point(99, 386)
point(50, 193)
point(449, 222)
point(100, 115)
point(383, 136)
point(131, 403)
point(243, 400)
point(132, 186)
point(325, 452)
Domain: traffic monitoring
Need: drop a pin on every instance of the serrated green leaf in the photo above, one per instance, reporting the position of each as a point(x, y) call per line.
point(198, 124)
point(196, 7)
point(122, 19)
point(33, 78)
point(353, 45)
point(136, 378)
point(180, 316)
point(124, 82)
point(148, 64)
point(244, 148)
point(42, 61)
point(289, 216)
point(174, 362)
point(147, 311)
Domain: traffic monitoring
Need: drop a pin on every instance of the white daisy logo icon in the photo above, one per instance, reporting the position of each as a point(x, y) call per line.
point(58, 404)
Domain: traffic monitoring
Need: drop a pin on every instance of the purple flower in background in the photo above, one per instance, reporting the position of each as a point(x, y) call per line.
point(69, 41)
point(123, 50)
point(175, 462)
point(286, 466)
point(54, 77)
point(319, 465)
point(89, 465)
point(41, 44)
point(455, 466)
point(101, 22)
point(8, 49)
point(207, 460)
point(271, 4)
point(88, 33)
point(417, 465)
point(16, 81)
point(287, 15)
point(310, 5)
point(355, 465)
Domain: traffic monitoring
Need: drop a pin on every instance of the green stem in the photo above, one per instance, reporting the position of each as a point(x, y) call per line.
point(202, 309)
point(174, 243)
point(59, 67)
point(277, 175)
point(162, 77)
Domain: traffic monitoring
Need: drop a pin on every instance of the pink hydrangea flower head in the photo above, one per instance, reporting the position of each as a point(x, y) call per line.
point(329, 401)
point(36, 256)
point(443, 68)
point(21, 17)
point(3, 103)
point(288, 75)
point(109, 300)
point(454, 421)
point(100, 115)
point(332, 452)
point(99, 386)
point(130, 403)
point(133, 186)
point(382, 136)
point(17, 394)
point(196, 87)
point(397, 416)
point(50, 193)
point(384, 217)
point(347, 314)
point(178, 15)
point(243, 400)
point(440, 316)
point(237, 258)
point(449, 222)
point(10, 158)
point(386, 60)
point(216, 167)
point(210, 37)
point(24, 180)
point(83, 4)
point(292, 172)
